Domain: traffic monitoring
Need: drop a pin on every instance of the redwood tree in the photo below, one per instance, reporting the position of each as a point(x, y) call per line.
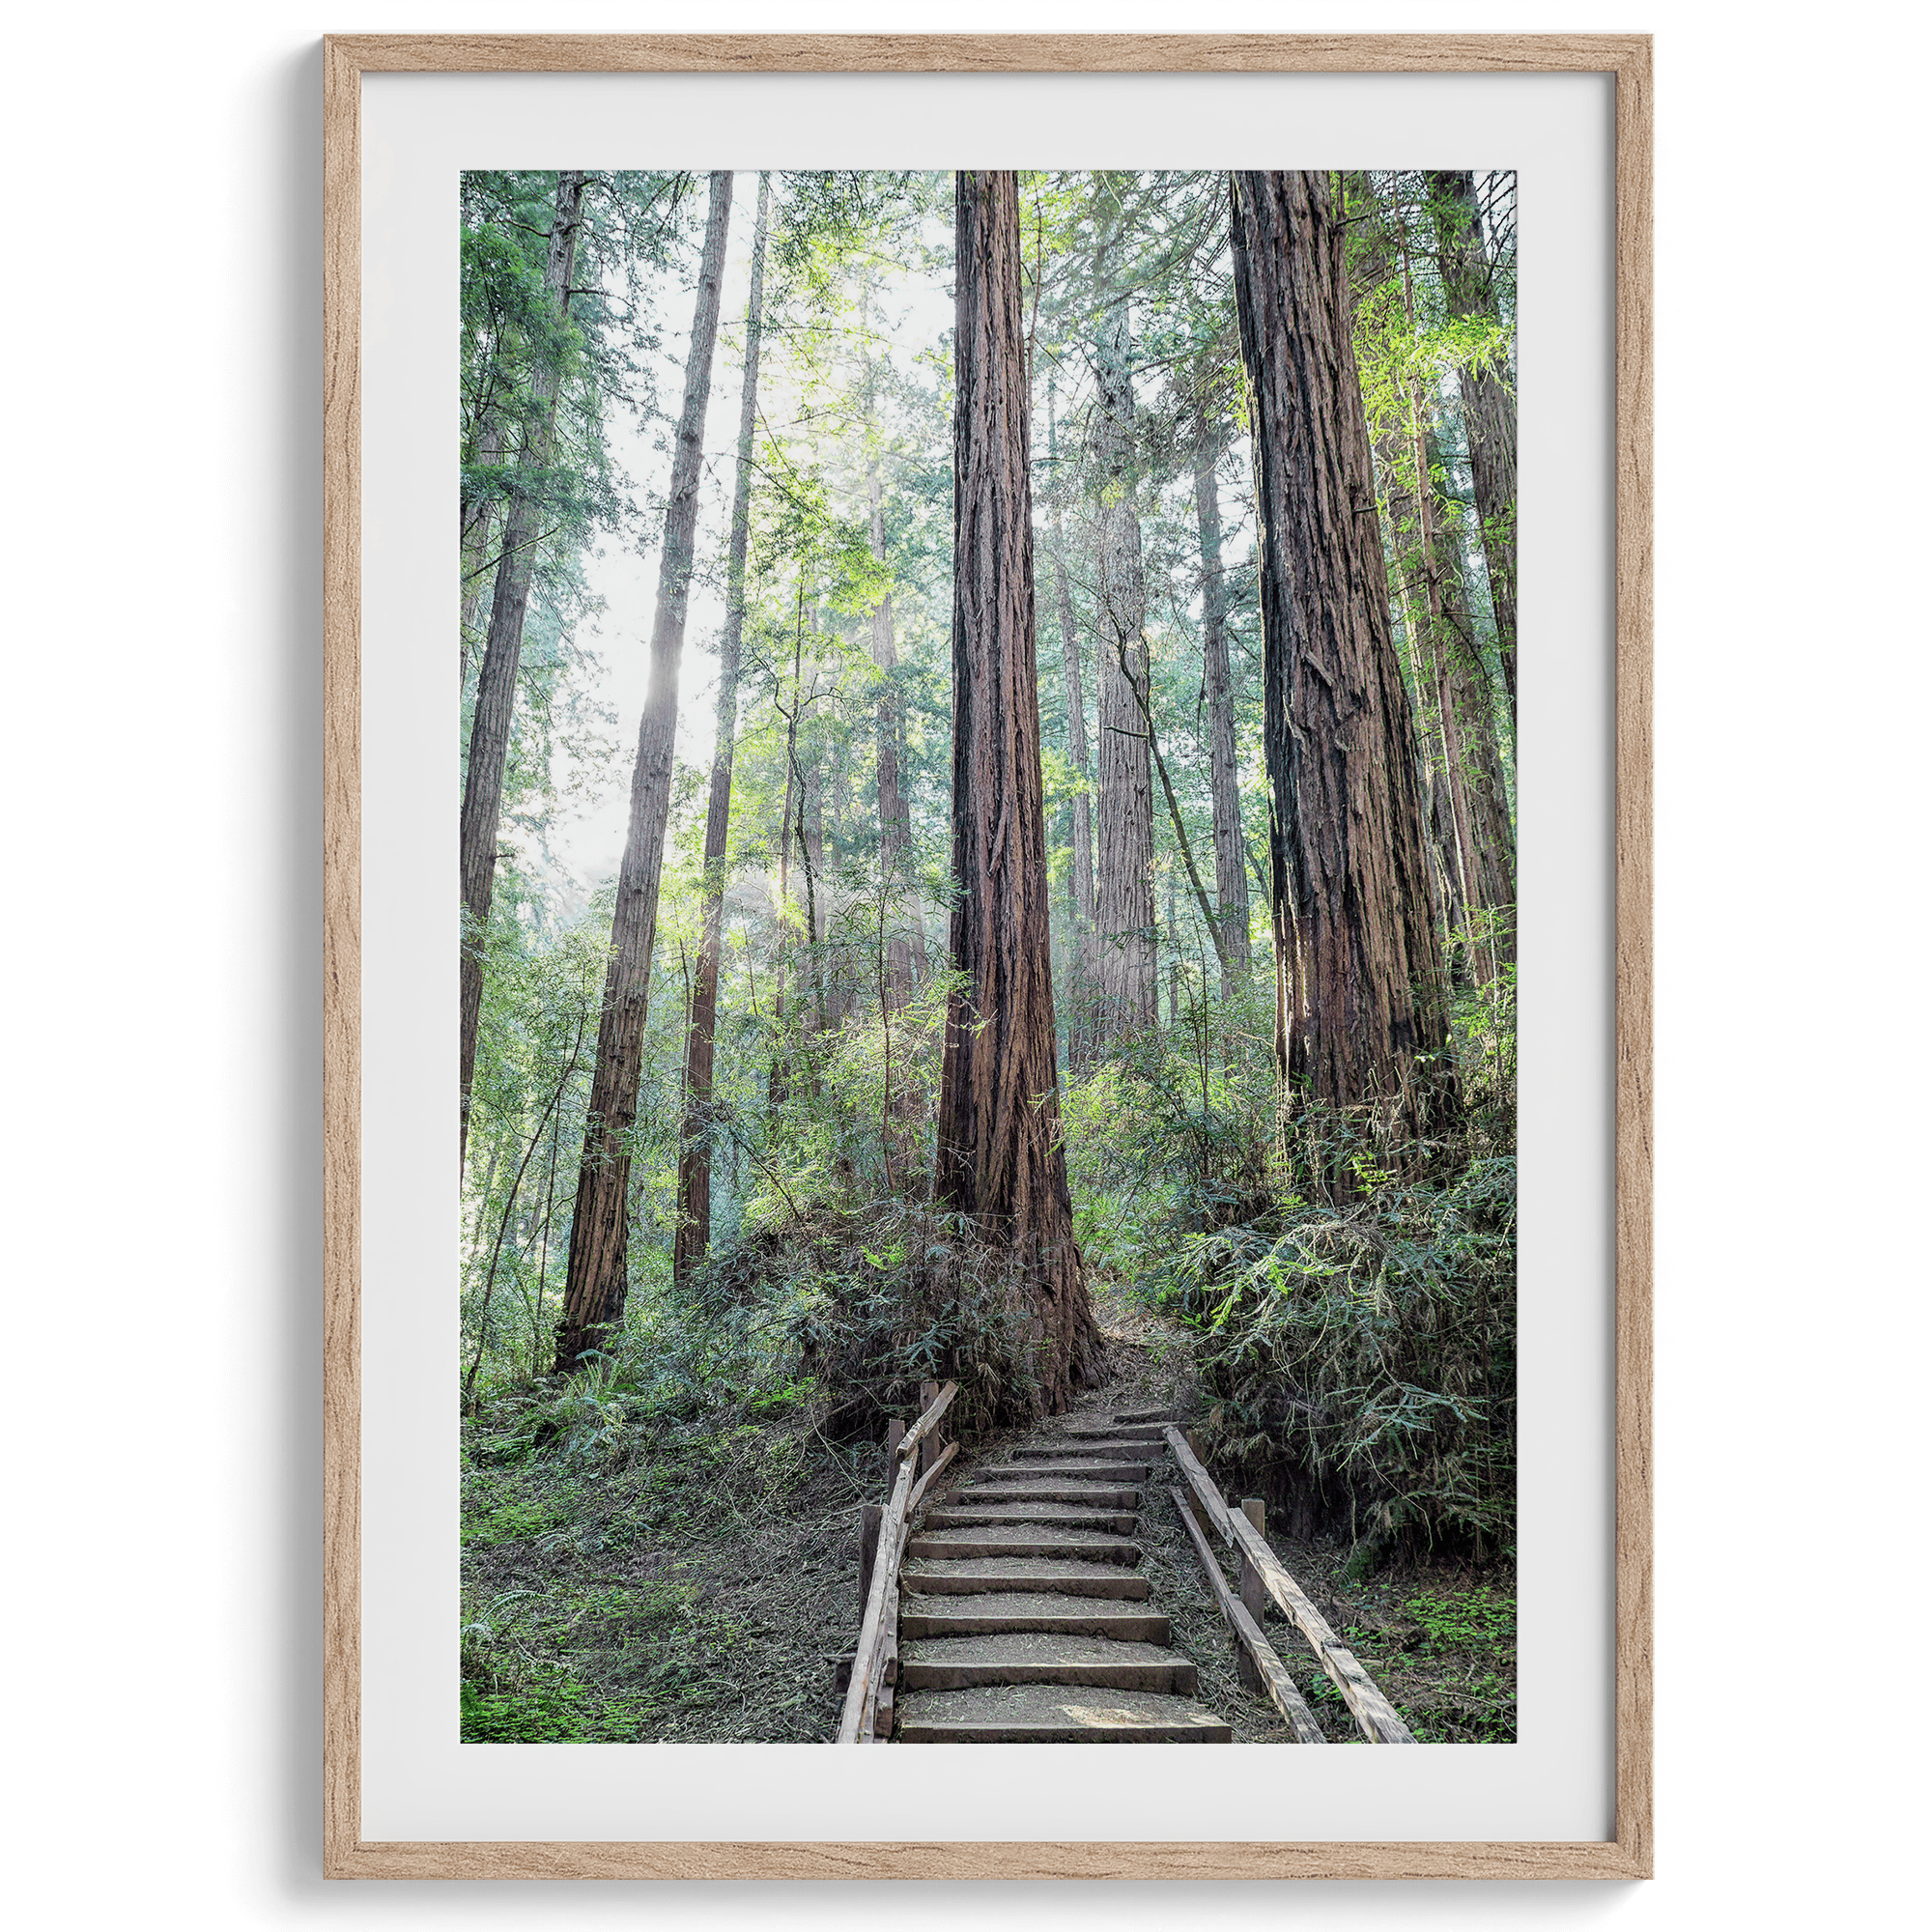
point(999, 1154)
point(694, 1162)
point(1359, 967)
point(595, 1286)
point(1124, 910)
point(1230, 874)
point(1080, 951)
point(497, 681)
point(1488, 409)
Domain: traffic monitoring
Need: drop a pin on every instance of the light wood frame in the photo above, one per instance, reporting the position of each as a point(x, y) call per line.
point(346, 59)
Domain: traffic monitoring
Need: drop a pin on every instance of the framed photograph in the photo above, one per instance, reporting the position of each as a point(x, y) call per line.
point(1046, 1016)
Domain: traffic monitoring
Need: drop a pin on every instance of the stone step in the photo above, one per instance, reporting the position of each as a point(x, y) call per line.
point(961, 1514)
point(1097, 1662)
point(1108, 1580)
point(1078, 1545)
point(1084, 1471)
point(1142, 1416)
point(1033, 1714)
point(1065, 1450)
point(1097, 1496)
point(1005, 1610)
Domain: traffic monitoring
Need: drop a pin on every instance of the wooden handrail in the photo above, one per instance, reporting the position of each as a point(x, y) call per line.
point(865, 1659)
point(1373, 1713)
point(1282, 1693)
point(924, 1483)
point(862, 1692)
point(927, 1422)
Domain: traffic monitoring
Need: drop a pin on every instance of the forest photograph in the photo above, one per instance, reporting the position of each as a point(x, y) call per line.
point(986, 783)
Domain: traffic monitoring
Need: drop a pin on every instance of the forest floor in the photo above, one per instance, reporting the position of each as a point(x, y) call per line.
point(699, 1591)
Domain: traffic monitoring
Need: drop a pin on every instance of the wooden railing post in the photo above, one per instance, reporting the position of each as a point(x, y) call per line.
point(929, 1448)
point(896, 1430)
point(869, 1550)
point(1254, 1592)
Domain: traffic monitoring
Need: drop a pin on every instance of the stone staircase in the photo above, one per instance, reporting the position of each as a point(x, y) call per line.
point(1023, 1616)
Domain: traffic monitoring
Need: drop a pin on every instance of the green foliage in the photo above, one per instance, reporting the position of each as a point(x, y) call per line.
point(1171, 1134)
point(521, 1519)
point(550, 1714)
point(1479, 1617)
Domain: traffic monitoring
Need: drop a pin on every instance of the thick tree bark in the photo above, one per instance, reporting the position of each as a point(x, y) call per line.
point(999, 1154)
point(693, 1163)
point(595, 1286)
point(1124, 912)
point(497, 681)
point(1489, 408)
point(1080, 951)
point(1358, 958)
point(1231, 877)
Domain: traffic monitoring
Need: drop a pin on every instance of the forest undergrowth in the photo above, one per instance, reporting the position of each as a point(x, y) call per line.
point(665, 1544)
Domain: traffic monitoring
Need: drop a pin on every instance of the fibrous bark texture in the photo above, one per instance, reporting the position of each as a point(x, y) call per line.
point(1359, 964)
point(1123, 911)
point(1078, 1029)
point(999, 1154)
point(693, 1163)
point(1465, 792)
point(594, 1288)
point(1489, 408)
point(497, 681)
point(1231, 878)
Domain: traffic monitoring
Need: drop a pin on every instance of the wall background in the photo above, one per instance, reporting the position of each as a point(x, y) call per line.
point(161, 966)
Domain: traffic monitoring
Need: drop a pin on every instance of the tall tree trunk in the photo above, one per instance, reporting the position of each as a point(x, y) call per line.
point(818, 901)
point(1000, 1152)
point(1447, 860)
point(1472, 693)
point(839, 976)
point(1124, 914)
point(905, 964)
point(1231, 877)
point(779, 1088)
point(693, 1161)
point(594, 1287)
point(1467, 719)
point(497, 681)
point(1359, 971)
point(1489, 408)
point(1080, 963)
point(479, 522)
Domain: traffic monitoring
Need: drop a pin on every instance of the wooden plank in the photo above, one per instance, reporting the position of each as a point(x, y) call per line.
point(1269, 1670)
point(865, 1659)
point(1206, 1494)
point(1373, 1713)
point(924, 1483)
point(929, 1394)
point(929, 1421)
point(876, 1723)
